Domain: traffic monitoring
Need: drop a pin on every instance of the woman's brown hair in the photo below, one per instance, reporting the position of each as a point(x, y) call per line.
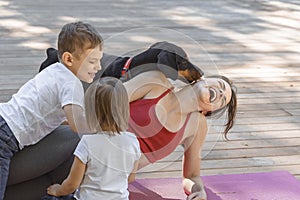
point(231, 107)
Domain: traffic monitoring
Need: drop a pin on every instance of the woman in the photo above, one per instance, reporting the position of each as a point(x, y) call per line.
point(175, 112)
point(162, 119)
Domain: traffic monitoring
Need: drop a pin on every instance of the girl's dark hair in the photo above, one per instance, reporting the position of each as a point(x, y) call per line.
point(231, 107)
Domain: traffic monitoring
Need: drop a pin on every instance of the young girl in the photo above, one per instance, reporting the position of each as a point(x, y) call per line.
point(106, 161)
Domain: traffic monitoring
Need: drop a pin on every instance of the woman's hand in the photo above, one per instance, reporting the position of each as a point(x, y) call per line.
point(194, 188)
point(197, 196)
point(52, 190)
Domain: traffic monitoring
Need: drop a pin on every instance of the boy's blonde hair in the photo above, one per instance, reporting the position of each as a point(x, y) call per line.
point(107, 106)
point(77, 37)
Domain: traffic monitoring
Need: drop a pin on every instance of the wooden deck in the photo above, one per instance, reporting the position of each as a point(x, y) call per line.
point(255, 43)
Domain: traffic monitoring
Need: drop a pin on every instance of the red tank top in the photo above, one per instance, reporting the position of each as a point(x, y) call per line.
point(156, 142)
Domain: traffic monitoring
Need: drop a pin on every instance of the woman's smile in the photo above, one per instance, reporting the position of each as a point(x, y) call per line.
point(212, 94)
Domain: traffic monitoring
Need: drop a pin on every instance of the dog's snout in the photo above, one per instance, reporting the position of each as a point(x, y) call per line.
point(199, 70)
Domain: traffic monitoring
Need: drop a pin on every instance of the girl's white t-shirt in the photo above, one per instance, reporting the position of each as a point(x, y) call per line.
point(109, 161)
point(37, 108)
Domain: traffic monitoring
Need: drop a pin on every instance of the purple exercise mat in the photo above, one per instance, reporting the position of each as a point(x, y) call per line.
point(279, 185)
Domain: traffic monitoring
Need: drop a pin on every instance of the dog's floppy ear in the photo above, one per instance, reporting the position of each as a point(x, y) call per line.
point(166, 62)
point(52, 57)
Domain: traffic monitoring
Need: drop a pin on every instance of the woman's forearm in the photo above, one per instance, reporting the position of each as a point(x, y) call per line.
point(194, 188)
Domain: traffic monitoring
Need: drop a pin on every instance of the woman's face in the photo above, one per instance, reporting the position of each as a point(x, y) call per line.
point(212, 93)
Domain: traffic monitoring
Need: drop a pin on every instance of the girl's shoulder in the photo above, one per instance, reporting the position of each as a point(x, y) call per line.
point(130, 137)
point(129, 134)
point(125, 134)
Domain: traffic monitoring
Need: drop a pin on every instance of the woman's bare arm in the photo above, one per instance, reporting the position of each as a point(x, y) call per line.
point(192, 183)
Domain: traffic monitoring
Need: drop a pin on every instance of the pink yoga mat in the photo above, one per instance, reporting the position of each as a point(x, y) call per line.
point(279, 185)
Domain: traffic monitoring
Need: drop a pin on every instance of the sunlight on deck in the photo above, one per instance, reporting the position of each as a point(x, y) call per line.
point(19, 28)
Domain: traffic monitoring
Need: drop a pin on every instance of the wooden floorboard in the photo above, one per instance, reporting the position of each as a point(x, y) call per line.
point(255, 43)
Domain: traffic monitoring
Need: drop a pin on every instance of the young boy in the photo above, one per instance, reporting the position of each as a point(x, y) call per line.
point(52, 96)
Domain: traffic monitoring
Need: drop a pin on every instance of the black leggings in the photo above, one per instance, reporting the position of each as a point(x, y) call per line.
point(36, 167)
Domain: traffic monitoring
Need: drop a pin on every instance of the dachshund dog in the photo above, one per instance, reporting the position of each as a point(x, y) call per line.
point(169, 58)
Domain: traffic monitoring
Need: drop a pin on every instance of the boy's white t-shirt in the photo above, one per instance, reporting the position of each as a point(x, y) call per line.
point(37, 108)
point(109, 161)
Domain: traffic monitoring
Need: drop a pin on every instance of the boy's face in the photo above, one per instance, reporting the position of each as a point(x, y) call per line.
point(86, 67)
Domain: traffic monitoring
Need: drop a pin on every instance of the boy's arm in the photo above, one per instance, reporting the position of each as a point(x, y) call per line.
point(76, 118)
point(72, 182)
point(131, 176)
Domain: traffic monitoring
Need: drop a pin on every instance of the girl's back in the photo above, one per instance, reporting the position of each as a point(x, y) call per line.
point(109, 160)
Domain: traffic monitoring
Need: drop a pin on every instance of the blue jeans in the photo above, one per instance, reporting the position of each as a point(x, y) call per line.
point(67, 197)
point(8, 147)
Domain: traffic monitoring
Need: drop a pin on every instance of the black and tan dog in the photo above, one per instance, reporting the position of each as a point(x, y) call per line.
point(169, 58)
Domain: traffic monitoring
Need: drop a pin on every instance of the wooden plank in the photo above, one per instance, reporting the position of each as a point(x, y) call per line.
point(267, 101)
point(260, 84)
point(217, 154)
point(294, 169)
point(264, 143)
point(262, 113)
point(273, 106)
point(270, 94)
point(253, 135)
point(294, 111)
point(270, 119)
point(228, 163)
point(255, 152)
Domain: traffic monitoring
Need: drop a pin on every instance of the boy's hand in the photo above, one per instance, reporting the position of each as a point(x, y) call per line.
point(52, 190)
point(197, 196)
